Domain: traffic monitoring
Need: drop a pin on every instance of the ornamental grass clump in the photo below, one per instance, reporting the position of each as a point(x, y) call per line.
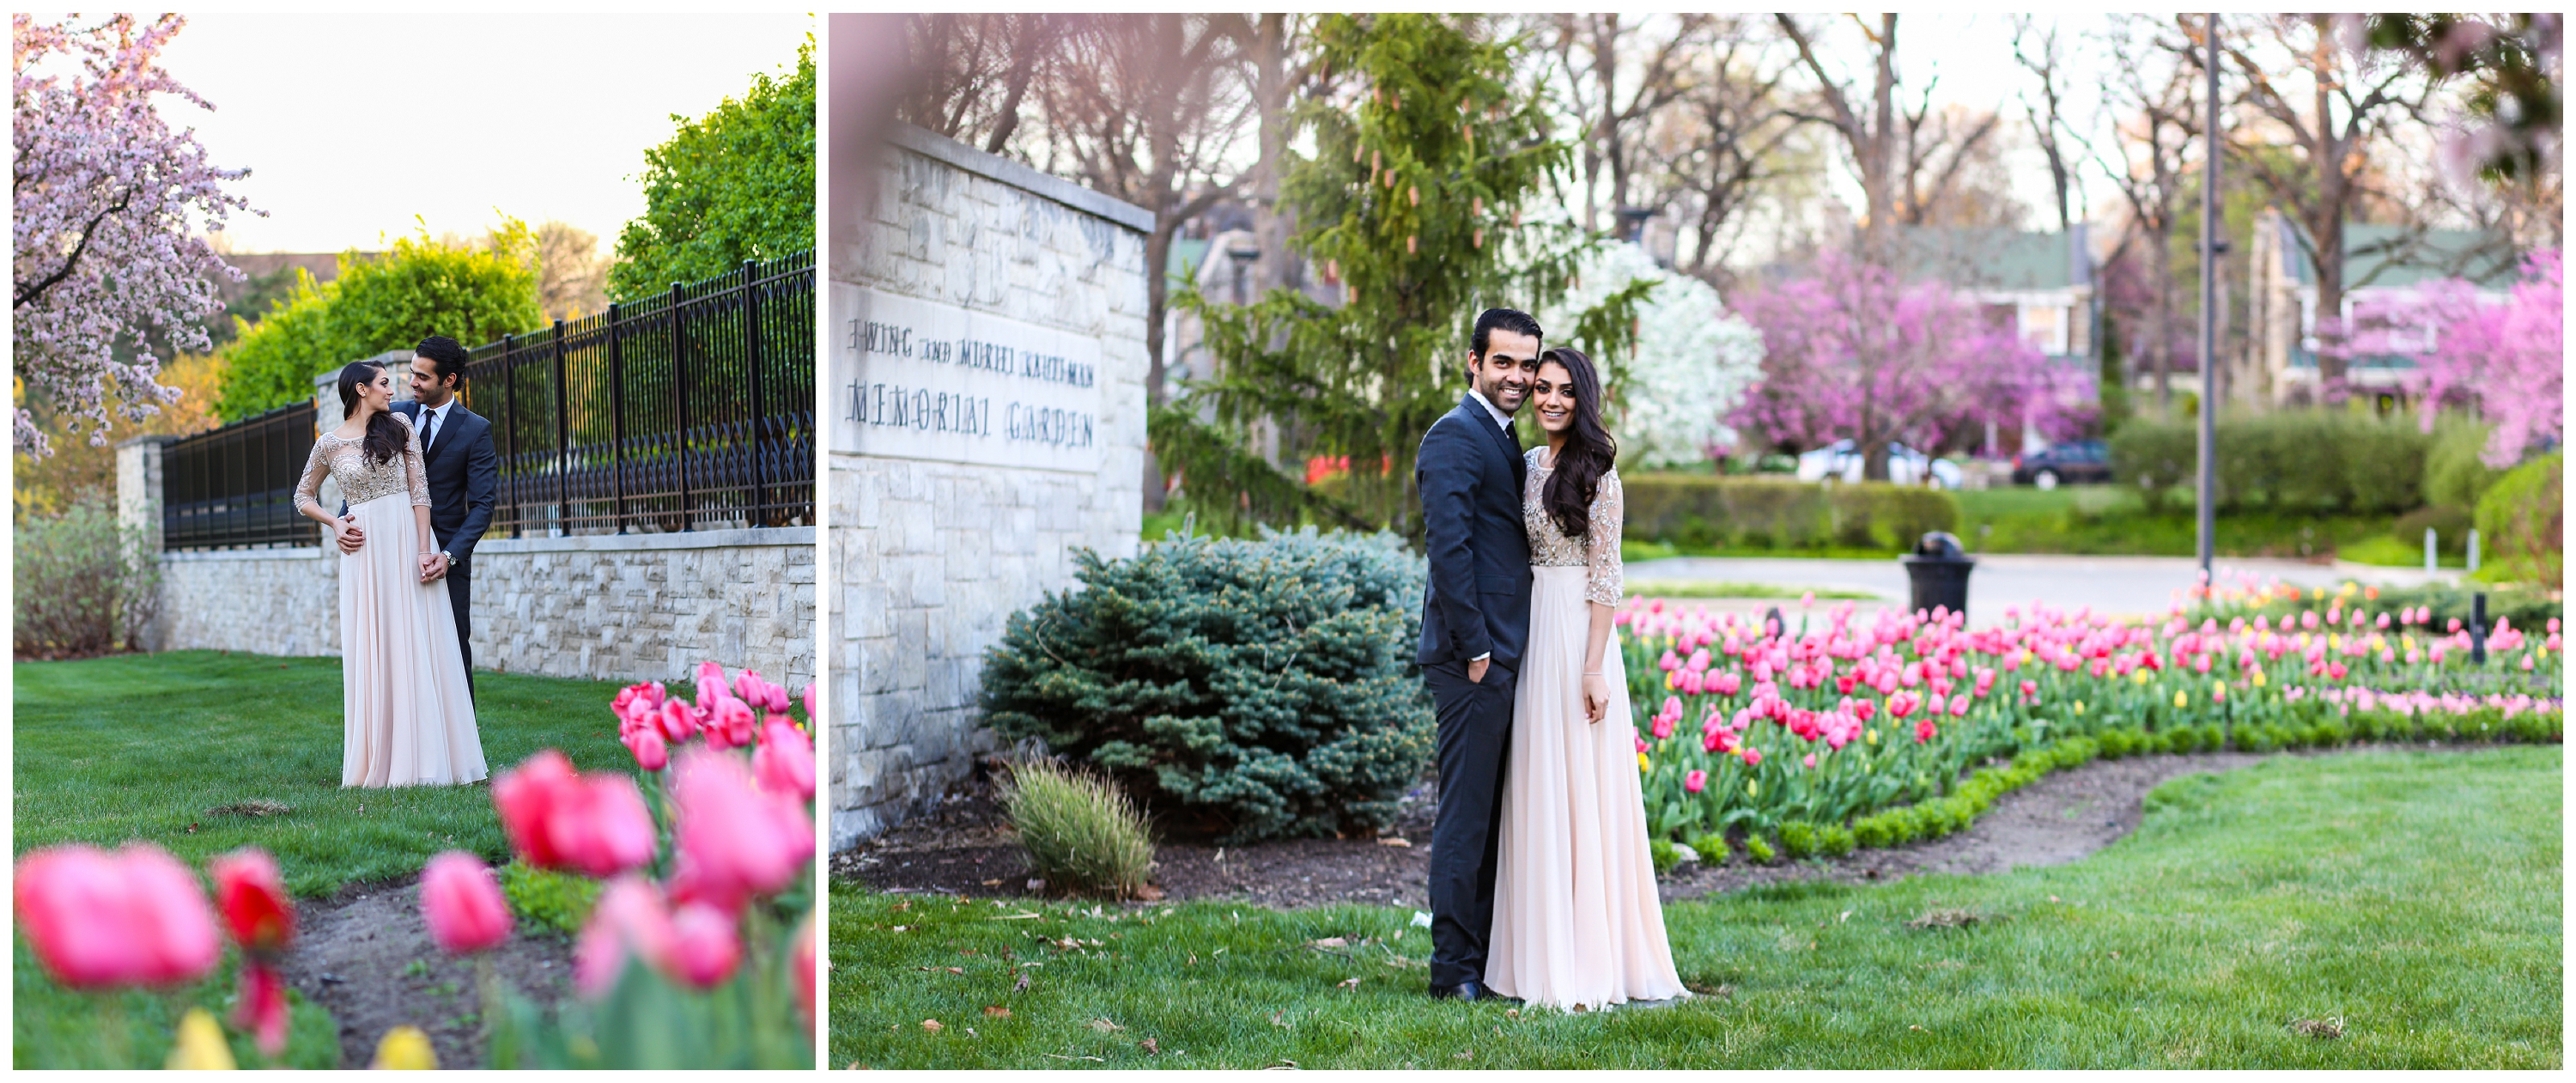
point(1241, 690)
point(1081, 834)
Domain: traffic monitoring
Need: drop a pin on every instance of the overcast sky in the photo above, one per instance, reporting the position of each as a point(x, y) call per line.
point(353, 124)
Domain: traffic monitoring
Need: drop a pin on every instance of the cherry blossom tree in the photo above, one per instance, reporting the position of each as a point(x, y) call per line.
point(1670, 394)
point(1853, 352)
point(2507, 360)
point(109, 208)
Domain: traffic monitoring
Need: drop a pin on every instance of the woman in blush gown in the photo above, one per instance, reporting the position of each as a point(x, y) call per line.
point(408, 717)
point(1577, 923)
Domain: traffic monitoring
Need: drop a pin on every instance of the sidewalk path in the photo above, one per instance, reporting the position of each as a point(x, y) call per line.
point(2127, 586)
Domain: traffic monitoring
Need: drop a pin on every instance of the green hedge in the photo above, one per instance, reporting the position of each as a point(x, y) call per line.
point(1699, 511)
point(2290, 460)
point(2522, 523)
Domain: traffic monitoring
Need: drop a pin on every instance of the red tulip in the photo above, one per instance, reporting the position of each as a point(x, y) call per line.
point(734, 840)
point(254, 903)
point(262, 1007)
point(96, 920)
point(711, 684)
point(558, 819)
point(704, 947)
point(650, 751)
point(463, 904)
point(629, 919)
point(784, 763)
point(800, 965)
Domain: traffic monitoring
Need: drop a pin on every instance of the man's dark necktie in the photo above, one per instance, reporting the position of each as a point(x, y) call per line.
point(429, 431)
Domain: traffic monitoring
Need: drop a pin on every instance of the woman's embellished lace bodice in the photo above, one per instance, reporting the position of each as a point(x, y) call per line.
point(1550, 548)
point(360, 478)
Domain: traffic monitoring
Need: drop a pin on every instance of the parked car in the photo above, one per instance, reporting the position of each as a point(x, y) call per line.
point(2075, 461)
point(1842, 461)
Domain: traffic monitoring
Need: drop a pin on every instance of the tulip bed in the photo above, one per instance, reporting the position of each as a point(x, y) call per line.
point(1835, 732)
point(706, 867)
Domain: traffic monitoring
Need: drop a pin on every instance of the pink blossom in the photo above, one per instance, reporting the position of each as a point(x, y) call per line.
point(98, 920)
point(630, 918)
point(784, 762)
point(704, 946)
point(734, 840)
point(1695, 781)
point(462, 904)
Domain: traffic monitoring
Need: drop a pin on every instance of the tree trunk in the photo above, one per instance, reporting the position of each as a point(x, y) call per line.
point(2160, 319)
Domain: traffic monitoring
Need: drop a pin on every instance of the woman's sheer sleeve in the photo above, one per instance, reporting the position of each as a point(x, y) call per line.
point(1605, 579)
point(308, 490)
point(414, 477)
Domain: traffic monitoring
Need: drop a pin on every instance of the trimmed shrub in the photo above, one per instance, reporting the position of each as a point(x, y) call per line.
point(1243, 689)
point(1836, 841)
point(1702, 510)
point(2522, 521)
point(1711, 848)
point(1758, 850)
point(2455, 469)
point(1080, 832)
point(556, 900)
point(1798, 839)
point(1876, 831)
point(82, 584)
point(1665, 855)
point(2290, 460)
point(2449, 523)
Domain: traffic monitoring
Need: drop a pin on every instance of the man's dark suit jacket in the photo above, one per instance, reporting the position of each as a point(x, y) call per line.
point(1470, 473)
point(464, 477)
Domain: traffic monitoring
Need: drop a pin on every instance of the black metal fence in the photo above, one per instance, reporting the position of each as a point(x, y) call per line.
point(235, 486)
point(691, 410)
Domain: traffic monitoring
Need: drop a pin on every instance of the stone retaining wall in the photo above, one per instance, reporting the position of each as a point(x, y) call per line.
point(930, 557)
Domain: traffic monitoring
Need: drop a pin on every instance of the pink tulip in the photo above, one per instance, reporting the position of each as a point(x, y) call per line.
point(651, 752)
point(704, 948)
point(97, 920)
point(1752, 756)
point(750, 688)
point(256, 909)
point(735, 841)
point(730, 724)
point(262, 1007)
point(679, 720)
point(808, 697)
point(1695, 781)
point(558, 819)
point(784, 762)
point(2030, 689)
point(629, 919)
point(1809, 762)
point(1924, 731)
point(462, 904)
point(711, 684)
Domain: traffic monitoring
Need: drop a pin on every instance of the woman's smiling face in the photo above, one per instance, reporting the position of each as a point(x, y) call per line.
point(1552, 394)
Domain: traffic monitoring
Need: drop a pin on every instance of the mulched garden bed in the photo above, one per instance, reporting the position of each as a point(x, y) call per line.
point(963, 847)
point(365, 955)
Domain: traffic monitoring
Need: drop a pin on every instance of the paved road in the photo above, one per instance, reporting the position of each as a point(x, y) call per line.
point(2116, 585)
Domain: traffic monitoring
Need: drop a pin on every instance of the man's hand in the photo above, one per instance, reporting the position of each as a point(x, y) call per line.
point(433, 566)
point(351, 538)
point(1476, 669)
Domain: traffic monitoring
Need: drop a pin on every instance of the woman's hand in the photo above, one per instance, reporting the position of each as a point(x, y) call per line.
point(1596, 697)
point(346, 529)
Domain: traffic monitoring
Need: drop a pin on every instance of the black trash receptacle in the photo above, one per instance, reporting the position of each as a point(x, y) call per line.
point(1939, 570)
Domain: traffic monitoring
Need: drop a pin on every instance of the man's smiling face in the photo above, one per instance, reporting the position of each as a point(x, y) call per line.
point(1503, 374)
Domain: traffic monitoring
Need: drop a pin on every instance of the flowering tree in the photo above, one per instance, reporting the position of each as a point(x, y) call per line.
point(2507, 359)
point(1852, 352)
point(104, 197)
point(1691, 364)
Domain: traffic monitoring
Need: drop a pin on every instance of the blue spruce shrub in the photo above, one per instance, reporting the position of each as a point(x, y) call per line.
point(1243, 689)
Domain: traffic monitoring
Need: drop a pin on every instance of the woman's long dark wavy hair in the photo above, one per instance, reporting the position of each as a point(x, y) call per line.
point(1588, 453)
point(384, 438)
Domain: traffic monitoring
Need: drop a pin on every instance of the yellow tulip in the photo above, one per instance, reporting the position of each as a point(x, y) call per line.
point(2334, 641)
point(2258, 678)
point(2139, 675)
point(200, 1045)
point(2181, 699)
point(405, 1048)
point(2079, 706)
point(1752, 788)
point(2219, 694)
point(1870, 735)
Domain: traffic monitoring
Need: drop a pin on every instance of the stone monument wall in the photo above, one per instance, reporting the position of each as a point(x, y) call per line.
point(986, 368)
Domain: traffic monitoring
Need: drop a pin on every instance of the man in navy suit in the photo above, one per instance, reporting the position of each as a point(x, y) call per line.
point(464, 476)
point(1475, 617)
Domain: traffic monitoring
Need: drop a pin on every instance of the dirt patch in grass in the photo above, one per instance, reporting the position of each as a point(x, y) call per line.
point(365, 955)
point(963, 847)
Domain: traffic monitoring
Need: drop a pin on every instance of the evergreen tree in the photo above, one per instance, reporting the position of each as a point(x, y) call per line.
point(1426, 151)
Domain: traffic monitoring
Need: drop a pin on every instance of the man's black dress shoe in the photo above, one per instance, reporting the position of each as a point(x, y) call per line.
point(1465, 990)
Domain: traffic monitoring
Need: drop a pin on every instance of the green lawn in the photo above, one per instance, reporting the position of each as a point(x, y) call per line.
point(145, 746)
point(54, 1027)
point(2109, 519)
point(2413, 896)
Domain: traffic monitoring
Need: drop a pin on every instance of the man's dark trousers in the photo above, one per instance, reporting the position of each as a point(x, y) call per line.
point(1475, 726)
